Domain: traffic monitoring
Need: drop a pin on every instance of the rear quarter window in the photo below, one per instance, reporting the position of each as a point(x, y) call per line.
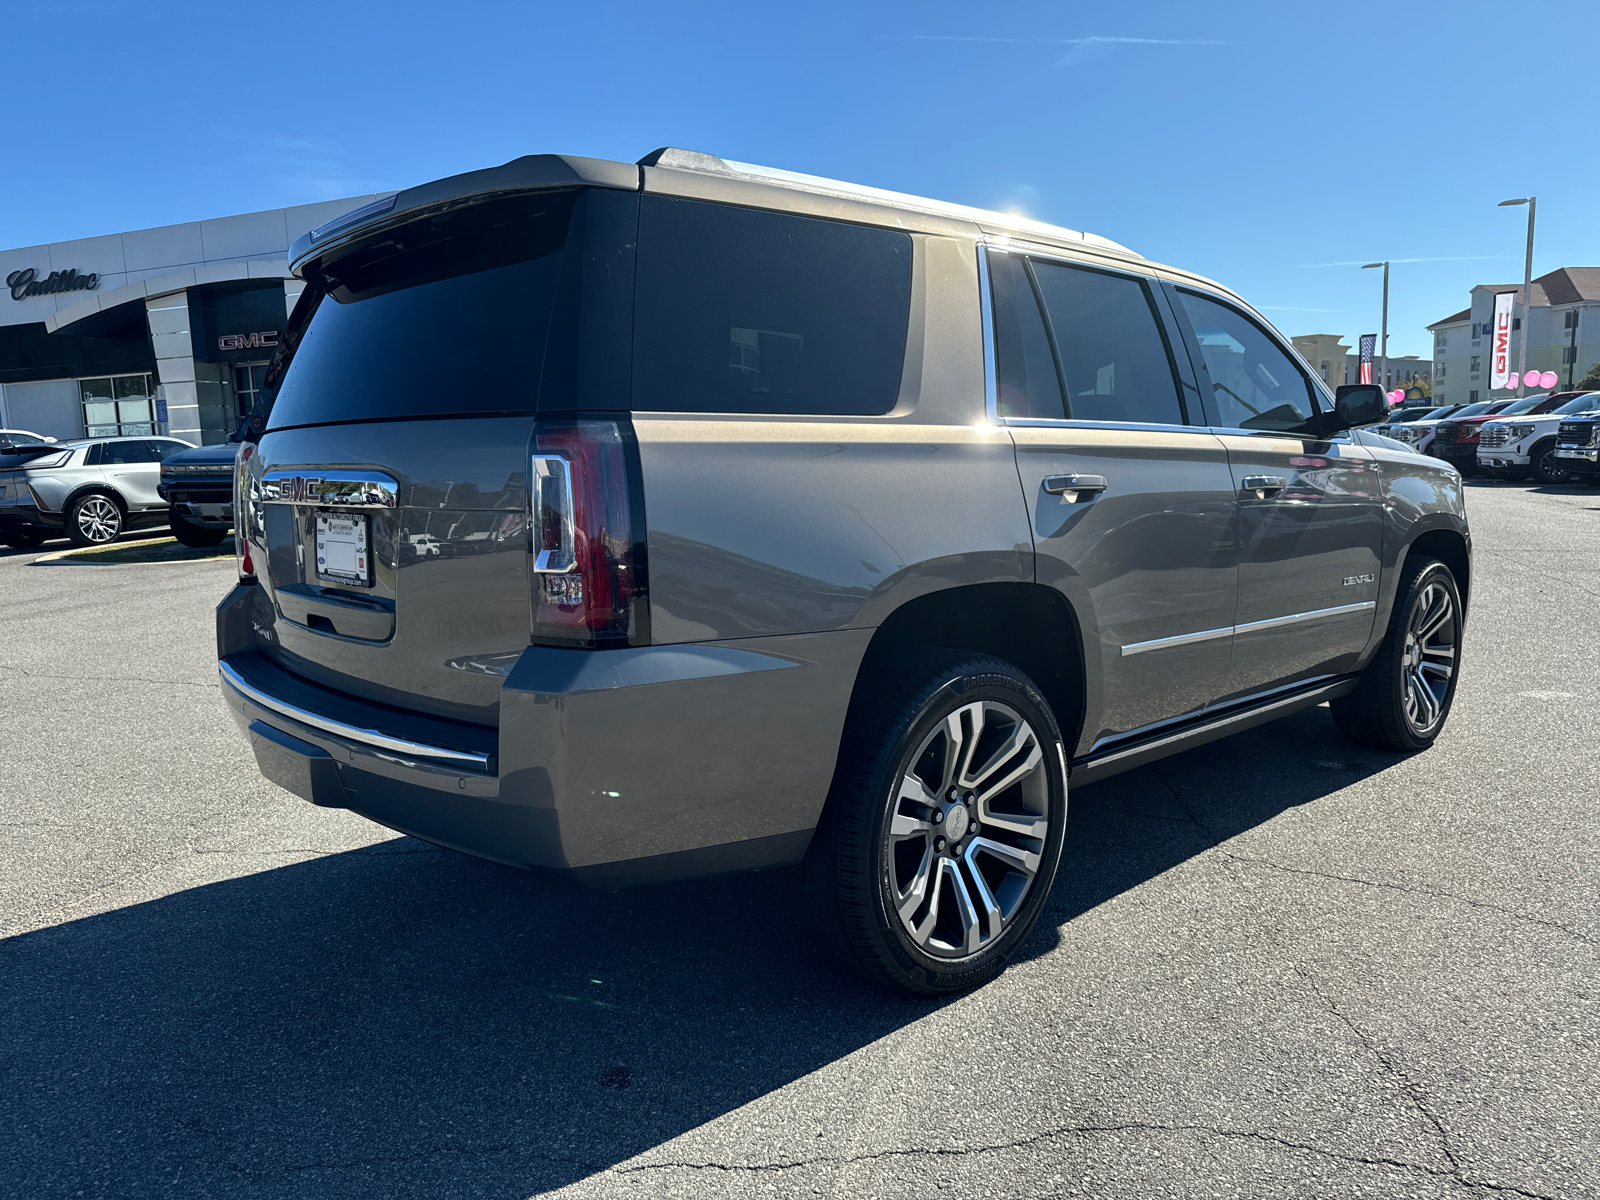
point(743, 311)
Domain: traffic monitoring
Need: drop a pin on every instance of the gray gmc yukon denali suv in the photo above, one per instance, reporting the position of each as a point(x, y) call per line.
point(647, 521)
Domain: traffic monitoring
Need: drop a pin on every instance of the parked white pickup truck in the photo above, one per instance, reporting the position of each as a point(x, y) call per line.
point(1515, 447)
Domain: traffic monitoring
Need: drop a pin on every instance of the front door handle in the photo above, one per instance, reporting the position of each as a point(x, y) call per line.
point(1078, 485)
point(1262, 485)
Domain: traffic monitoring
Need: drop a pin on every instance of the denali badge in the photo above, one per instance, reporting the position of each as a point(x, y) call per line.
point(1354, 579)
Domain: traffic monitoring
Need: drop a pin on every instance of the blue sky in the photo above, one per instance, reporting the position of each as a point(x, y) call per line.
point(1274, 147)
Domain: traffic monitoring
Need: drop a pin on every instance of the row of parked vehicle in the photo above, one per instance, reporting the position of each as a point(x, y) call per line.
point(1552, 437)
point(92, 490)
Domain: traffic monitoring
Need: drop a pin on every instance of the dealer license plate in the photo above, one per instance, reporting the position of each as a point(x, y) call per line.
point(342, 543)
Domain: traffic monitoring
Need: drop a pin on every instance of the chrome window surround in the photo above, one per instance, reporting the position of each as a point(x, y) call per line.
point(342, 489)
point(991, 372)
point(354, 733)
point(1206, 635)
point(991, 382)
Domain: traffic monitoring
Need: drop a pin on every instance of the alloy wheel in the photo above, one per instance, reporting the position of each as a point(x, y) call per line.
point(1548, 469)
point(967, 829)
point(99, 520)
point(1428, 660)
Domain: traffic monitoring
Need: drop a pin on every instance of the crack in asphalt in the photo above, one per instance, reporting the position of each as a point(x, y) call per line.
point(23, 671)
point(1411, 1090)
point(1546, 574)
point(1088, 1130)
point(1422, 891)
point(1216, 847)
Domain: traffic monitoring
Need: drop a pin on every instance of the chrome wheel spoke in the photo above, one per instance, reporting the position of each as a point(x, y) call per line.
point(1016, 858)
point(1022, 824)
point(903, 824)
point(993, 918)
point(909, 901)
point(974, 780)
point(966, 912)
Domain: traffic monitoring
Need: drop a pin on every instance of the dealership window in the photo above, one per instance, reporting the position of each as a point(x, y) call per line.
point(246, 384)
point(1475, 363)
point(118, 406)
point(1472, 396)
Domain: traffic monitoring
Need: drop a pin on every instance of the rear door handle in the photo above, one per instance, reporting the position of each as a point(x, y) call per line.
point(1079, 485)
point(1263, 484)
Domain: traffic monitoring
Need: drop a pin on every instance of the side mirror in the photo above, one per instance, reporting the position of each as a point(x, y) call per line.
point(1355, 405)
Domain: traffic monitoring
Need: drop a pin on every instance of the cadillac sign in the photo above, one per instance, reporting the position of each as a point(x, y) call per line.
point(26, 283)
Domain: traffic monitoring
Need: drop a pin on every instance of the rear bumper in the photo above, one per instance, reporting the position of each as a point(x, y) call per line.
point(30, 516)
point(614, 768)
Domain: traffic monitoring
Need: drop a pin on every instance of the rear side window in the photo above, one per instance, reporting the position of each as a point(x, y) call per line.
point(1027, 383)
point(447, 314)
point(743, 311)
point(1114, 359)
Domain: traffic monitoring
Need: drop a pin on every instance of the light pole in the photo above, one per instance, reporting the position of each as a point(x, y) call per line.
point(1383, 343)
point(1527, 290)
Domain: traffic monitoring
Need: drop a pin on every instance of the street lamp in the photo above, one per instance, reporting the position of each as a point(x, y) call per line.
point(1527, 289)
point(1383, 351)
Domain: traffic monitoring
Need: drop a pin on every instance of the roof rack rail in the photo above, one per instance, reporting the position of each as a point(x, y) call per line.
point(678, 159)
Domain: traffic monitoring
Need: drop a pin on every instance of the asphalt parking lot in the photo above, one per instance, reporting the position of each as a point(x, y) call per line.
point(1274, 966)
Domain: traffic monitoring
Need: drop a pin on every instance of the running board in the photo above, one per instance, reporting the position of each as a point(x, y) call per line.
point(1125, 758)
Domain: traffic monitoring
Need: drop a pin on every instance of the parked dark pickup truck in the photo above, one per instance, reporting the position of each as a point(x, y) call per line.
point(198, 485)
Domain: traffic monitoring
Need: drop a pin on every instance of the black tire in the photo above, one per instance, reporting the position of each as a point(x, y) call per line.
point(190, 534)
point(23, 539)
point(95, 519)
point(1545, 467)
point(1395, 706)
point(858, 880)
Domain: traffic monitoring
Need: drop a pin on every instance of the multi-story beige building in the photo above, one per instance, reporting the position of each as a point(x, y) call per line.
point(1330, 358)
point(1563, 335)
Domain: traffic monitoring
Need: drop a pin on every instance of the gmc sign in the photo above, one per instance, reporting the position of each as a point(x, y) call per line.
point(248, 341)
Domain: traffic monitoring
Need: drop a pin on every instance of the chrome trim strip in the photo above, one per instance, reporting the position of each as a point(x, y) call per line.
point(344, 489)
point(1296, 618)
point(991, 382)
point(1183, 639)
point(355, 733)
point(1136, 426)
point(1206, 635)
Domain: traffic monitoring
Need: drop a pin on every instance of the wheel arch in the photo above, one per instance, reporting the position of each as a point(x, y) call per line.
point(100, 489)
point(1451, 547)
point(1030, 625)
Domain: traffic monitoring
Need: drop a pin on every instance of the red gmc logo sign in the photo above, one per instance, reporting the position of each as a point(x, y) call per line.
point(248, 341)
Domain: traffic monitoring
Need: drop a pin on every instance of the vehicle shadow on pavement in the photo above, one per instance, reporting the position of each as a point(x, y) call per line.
point(405, 1021)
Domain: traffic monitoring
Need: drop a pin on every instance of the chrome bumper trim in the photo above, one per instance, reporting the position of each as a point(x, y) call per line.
point(354, 733)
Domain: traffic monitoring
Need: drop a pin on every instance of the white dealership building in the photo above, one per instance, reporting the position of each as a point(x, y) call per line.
point(161, 330)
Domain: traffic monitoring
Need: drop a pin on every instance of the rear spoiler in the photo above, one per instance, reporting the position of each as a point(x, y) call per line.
point(531, 173)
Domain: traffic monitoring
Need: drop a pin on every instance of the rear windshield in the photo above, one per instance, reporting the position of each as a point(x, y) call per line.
point(743, 311)
point(444, 315)
point(1473, 410)
point(1581, 404)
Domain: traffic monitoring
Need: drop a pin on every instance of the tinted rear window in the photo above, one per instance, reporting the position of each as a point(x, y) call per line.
point(743, 311)
point(440, 316)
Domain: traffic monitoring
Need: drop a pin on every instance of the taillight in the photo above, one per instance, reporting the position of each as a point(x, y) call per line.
point(241, 516)
point(586, 516)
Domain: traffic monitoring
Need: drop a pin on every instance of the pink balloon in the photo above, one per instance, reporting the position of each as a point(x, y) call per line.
point(1511, 380)
point(1548, 379)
